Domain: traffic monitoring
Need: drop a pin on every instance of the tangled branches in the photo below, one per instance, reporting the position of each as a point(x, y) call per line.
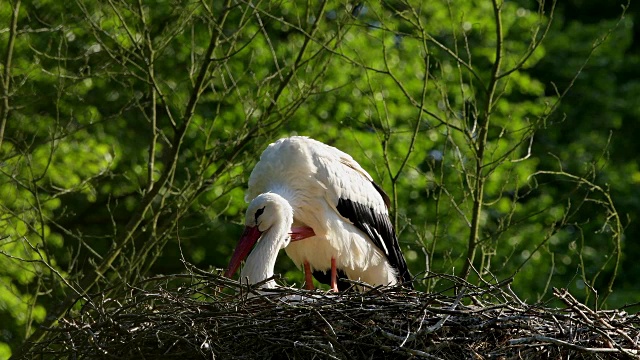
point(208, 316)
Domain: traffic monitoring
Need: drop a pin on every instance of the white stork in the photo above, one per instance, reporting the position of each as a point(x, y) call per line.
point(338, 210)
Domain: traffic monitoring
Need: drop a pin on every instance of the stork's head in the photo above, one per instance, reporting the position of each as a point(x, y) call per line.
point(266, 212)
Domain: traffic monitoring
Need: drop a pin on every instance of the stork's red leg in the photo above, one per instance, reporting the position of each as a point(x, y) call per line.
point(308, 280)
point(334, 275)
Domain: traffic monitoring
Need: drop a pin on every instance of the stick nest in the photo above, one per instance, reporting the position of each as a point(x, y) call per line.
point(209, 317)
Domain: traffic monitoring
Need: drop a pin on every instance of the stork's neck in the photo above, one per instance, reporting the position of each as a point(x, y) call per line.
point(260, 263)
point(289, 194)
point(298, 199)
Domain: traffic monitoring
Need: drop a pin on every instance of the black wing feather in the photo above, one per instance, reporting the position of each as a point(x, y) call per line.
point(385, 197)
point(378, 227)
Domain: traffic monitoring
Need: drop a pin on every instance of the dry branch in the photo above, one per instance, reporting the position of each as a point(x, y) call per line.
point(208, 316)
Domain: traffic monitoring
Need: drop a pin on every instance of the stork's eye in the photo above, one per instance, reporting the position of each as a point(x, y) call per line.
point(258, 213)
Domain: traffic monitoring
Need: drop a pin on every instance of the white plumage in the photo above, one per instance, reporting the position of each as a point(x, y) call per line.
point(332, 194)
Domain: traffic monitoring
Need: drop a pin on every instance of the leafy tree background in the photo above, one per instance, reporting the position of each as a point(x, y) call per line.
point(128, 131)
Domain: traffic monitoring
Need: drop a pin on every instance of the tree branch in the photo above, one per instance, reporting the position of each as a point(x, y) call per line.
point(6, 76)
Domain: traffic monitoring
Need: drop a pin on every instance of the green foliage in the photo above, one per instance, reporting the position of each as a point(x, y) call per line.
point(132, 128)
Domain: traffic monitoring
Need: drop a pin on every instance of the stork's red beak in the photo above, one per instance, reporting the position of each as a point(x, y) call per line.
point(248, 239)
point(302, 232)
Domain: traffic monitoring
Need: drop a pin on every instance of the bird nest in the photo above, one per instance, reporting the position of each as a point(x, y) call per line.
point(208, 316)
